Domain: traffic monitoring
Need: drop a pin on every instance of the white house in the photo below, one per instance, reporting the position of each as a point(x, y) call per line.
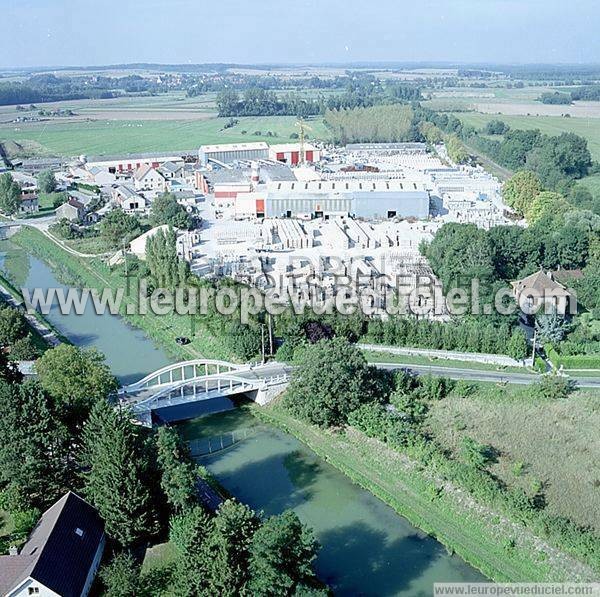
point(148, 178)
point(61, 556)
point(128, 200)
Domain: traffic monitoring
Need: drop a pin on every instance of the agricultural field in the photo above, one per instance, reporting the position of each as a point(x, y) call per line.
point(511, 102)
point(553, 458)
point(588, 128)
point(98, 137)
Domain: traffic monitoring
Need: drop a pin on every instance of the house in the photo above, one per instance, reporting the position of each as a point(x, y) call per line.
point(101, 177)
point(148, 178)
point(61, 556)
point(72, 210)
point(128, 200)
point(29, 200)
point(542, 291)
point(171, 170)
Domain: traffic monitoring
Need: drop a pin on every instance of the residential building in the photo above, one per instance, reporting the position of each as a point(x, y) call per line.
point(71, 210)
point(149, 178)
point(541, 292)
point(61, 556)
point(128, 200)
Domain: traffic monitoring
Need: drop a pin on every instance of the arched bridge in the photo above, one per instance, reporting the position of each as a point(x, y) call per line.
point(201, 379)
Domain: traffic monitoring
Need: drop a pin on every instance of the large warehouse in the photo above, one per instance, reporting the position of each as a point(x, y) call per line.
point(232, 152)
point(378, 199)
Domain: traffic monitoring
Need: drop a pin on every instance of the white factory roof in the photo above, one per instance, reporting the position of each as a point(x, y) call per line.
point(345, 186)
point(234, 147)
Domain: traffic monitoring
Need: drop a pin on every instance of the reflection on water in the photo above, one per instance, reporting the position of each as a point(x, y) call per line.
point(367, 549)
point(129, 353)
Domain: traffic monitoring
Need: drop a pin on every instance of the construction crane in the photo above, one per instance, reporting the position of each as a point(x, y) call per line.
point(303, 127)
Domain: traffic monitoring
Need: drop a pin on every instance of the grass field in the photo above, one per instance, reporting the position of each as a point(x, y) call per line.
point(558, 453)
point(480, 537)
point(588, 128)
point(98, 137)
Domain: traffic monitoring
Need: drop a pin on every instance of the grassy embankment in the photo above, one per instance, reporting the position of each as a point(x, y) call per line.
point(37, 339)
point(374, 356)
point(95, 274)
point(501, 549)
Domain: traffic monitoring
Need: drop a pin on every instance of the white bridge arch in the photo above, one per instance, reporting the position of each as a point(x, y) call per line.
point(201, 379)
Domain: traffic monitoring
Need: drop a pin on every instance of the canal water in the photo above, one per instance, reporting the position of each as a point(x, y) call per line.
point(367, 549)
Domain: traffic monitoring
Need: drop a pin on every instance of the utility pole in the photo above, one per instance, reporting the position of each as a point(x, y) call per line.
point(270, 321)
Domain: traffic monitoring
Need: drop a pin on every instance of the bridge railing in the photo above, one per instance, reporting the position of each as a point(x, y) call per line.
point(168, 374)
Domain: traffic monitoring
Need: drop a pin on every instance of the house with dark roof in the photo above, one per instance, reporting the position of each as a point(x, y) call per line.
point(61, 556)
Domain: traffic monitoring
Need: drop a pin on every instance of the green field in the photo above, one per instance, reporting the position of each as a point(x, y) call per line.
point(589, 128)
point(97, 137)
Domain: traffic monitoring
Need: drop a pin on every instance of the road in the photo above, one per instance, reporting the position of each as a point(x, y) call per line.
point(480, 375)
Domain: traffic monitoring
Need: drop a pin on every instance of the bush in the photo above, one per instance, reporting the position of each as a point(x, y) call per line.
point(553, 387)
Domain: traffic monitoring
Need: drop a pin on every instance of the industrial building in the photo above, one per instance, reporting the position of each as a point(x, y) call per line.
point(131, 162)
point(378, 199)
point(228, 153)
point(290, 153)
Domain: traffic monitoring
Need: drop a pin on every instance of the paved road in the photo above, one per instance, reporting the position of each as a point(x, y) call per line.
point(481, 375)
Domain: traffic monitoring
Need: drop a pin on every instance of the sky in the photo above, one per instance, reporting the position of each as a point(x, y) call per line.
point(97, 32)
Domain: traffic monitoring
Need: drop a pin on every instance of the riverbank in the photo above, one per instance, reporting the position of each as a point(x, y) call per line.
point(502, 550)
point(95, 274)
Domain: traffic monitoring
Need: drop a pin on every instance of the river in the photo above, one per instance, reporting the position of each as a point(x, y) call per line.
point(367, 549)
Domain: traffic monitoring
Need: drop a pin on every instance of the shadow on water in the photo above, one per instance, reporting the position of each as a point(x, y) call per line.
point(391, 567)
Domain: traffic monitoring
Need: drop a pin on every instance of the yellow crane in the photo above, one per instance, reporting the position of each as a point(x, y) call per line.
point(303, 127)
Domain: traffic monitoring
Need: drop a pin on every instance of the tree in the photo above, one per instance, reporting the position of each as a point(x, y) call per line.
point(188, 532)
point(228, 546)
point(551, 326)
point(282, 553)
point(114, 474)
point(496, 127)
point(46, 181)
point(166, 210)
point(244, 340)
point(34, 447)
point(10, 194)
point(460, 253)
point(332, 380)
point(121, 576)
point(521, 189)
point(456, 150)
point(166, 269)
point(24, 349)
point(118, 228)
point(179, 475)
point(13, 326)
point(517, 346)
point(76, 378)
point(546, 203)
